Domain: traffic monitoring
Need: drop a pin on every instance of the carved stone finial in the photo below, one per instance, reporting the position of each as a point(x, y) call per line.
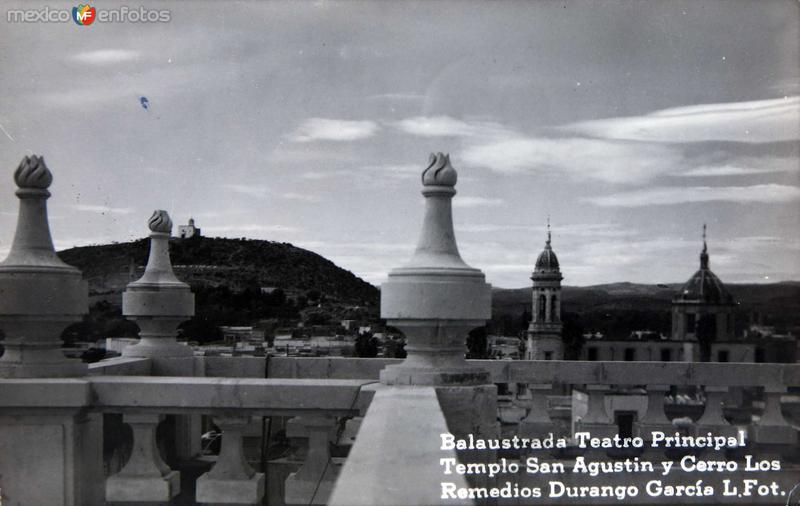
point(33, 173)
point(158, 301)
point(439, 171)
point(39, 294)
point(436, 299)
point(160, 222)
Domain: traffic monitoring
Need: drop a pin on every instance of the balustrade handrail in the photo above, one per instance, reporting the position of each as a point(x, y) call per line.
point(188, 395)
point(563, 371)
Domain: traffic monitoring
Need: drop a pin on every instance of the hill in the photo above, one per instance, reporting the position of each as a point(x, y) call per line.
point(235, 282)
point(215, 262)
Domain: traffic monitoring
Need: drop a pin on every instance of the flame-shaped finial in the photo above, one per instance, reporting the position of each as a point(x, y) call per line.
point(160, 222)
point(33, 173)
point(439, 171)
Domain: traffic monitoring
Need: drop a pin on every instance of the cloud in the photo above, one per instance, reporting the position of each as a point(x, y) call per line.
point(744, 167)
point(304, 197)
point(105, 56)
point(580, 158)
point(327, 174)
point(477, 202)
point(770, 120)
point(571, 230)
point(252, 191)
point(480, 228)
point(321, 129)
point(397, 96)
point(252, 227)
point(630, 150)
point(446, 126)
point(371, 173)
point(263, 193)
point(767, 193)
point(371, 260)
point(102, 209)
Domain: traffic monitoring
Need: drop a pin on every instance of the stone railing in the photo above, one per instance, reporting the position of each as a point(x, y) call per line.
point(143, 403)
point(597, 390)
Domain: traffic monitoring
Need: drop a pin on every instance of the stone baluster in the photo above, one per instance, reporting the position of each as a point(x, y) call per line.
point(654, 419)
point(158, 302)
point(39, 294)
point(145, 478)
point(537, 423)
point(596, 419)
point(771, 434)
point(314, 481)
point(713, 419)
point(232, 480)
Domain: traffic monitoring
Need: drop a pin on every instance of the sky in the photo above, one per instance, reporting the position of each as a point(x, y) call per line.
point(629, 123)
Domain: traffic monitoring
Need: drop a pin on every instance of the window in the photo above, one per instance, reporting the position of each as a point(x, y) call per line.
point(591, 353)
point(630, 354)
point(548, 355)
point(723, 356)
point(542, 307)
point(690, 323)
point(666, 355)
point(553, 312)
point(624, 421)
point(760, 357)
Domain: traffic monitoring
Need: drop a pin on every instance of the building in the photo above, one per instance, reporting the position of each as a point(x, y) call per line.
point(703, 309)
point(544, 332)
point(703, 329)
point(187, 231)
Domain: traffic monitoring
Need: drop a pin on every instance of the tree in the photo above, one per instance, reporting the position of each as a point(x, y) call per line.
point(317, 317)
point(572, 335)
point(477, 343)
point(394, 348)
point(366, 345)
point(200, 329)
point(706, 332)
point(524, 320)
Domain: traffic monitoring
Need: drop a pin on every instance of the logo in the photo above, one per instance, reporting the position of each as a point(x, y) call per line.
point(83, 14)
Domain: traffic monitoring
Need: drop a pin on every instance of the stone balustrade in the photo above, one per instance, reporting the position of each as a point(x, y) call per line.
point(143, 401)
point(729, 374)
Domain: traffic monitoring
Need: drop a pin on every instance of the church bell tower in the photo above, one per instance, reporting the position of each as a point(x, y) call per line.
point(544, 332)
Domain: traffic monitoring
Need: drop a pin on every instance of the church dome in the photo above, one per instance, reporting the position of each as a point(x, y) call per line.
point(547, 263)
point(547, 259)
point(704, 287)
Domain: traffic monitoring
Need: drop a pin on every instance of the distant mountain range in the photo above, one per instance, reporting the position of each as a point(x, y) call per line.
point(242, 264)
point(619, 308)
